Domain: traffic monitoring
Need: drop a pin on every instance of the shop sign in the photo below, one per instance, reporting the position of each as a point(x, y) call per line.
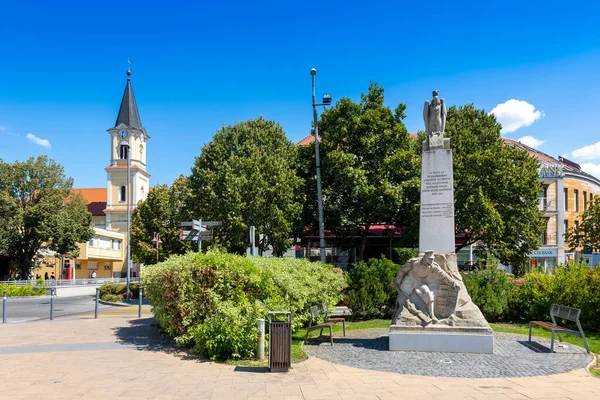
point(544, 253)
point(551, 171)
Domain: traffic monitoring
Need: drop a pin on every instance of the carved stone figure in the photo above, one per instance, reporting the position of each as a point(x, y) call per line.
point(434, 115)
point(426, 290)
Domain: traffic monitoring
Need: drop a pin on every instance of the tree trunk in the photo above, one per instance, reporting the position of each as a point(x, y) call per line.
point(363, 243)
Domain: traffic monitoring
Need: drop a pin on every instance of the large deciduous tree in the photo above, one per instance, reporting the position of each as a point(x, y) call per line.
point(160, 213)
point(369, 173)
point(496, 188)
point(244, 177)
point(587, 234)
point(36, 207)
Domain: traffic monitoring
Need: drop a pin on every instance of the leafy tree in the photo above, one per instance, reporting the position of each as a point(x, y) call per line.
point(246, 176)
point(369, 173)
point(587, 234)
point(161, 212)
point(496, 188)
point(36, 207)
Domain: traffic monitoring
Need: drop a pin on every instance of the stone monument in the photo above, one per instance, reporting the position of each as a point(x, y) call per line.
point(434, 311)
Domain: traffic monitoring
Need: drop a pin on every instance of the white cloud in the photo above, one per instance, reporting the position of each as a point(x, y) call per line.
point(591, 168)
point(531, 141)
point(2, 128)
point(39, 141)
point(587, 153)
point(515, 114)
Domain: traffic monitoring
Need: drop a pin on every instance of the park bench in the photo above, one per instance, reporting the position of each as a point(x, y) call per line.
point(564, 312)
point(316, 312)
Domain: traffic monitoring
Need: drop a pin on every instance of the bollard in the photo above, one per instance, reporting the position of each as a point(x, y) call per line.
point(260, 355)
point(140, 308)
point(51, 304)
point(4, 308)
point(97, 301)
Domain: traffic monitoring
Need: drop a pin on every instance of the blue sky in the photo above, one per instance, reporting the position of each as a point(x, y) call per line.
point(197, 67)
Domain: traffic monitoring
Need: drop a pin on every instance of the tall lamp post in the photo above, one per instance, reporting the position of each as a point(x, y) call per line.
point(127, 201)
point(326, 101)
point(157, 242)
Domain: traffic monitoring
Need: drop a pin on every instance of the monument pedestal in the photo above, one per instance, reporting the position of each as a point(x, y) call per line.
point(444, 339)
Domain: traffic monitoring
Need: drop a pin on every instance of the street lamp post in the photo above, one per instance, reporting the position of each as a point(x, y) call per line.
point(326, 101)
point(156, 240)
point(127, 201)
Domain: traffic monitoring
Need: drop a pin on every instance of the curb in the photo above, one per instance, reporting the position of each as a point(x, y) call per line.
point(44, 296)
point(591, 364)
point(108, 303)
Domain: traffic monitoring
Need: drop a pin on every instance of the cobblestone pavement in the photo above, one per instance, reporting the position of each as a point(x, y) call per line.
point(127, 358)
point(513, 356)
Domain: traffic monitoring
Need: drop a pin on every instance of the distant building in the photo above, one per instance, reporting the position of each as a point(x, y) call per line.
point(566, 192)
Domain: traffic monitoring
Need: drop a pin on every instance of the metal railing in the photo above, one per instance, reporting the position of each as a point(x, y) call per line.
point(69, 282)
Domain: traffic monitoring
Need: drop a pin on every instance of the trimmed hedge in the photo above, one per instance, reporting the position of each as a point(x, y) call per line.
point(115, 292)
point(27, 290)
point(212, 301)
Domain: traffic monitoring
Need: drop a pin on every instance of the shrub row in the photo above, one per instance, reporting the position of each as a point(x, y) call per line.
point(212, 301)
point(115, 292)
point(530, 298)
point(27, 290)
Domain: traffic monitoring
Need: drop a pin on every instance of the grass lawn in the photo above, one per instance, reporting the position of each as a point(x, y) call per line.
point(299, 355)
point(593, 339)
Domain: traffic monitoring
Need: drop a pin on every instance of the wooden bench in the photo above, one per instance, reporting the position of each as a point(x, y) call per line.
point(564, 312)
point(335, 320)
point(316, 312)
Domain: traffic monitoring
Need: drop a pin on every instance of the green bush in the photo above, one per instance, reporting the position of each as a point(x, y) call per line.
point(120, 289)
point(370, 291)
point(112, 298)
point(27, 290)
point(491, 290)
point(212, 301)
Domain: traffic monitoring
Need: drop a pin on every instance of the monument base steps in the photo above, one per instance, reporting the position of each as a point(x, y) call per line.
point(449, 340)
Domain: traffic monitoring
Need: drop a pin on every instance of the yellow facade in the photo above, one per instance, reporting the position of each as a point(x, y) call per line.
point(103, 254)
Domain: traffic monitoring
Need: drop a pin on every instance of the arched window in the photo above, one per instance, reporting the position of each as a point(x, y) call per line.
point(124, 152)
point(122, 194)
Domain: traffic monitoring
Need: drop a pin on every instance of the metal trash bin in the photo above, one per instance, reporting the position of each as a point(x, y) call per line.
point(280, 341)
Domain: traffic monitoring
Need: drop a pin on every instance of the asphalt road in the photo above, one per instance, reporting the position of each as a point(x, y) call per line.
point(36, 308)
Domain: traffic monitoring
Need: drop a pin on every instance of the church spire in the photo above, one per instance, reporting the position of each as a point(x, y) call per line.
point(128, 112)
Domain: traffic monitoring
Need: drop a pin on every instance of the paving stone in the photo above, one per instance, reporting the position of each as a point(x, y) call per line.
point(513, 356)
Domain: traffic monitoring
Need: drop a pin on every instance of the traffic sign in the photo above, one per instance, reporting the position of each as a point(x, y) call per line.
point(212, 223)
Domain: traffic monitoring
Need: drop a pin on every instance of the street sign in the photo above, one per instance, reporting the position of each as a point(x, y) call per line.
point(206, 235)
point(188, 235)
point(212, 223)
point(204, 223)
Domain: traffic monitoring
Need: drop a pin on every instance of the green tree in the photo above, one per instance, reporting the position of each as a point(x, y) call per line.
point(496, 188)
point(369, 173)
point(36, 207)
point(161, 212)
point(587, 234)
point(246, 176)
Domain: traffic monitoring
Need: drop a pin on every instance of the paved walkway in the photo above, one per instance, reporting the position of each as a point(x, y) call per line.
point(514, 356)
point(121, 358)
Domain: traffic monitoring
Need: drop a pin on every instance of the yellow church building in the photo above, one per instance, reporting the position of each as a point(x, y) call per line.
point(106, 252)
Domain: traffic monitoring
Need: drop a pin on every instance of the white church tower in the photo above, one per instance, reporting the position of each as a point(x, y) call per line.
point(128, 140)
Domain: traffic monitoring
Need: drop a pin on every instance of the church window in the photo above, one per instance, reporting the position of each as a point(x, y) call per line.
point(122, 194)
point(124, 152)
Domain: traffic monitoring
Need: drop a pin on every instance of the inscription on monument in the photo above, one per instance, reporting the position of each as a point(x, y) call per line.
point(435, 185)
